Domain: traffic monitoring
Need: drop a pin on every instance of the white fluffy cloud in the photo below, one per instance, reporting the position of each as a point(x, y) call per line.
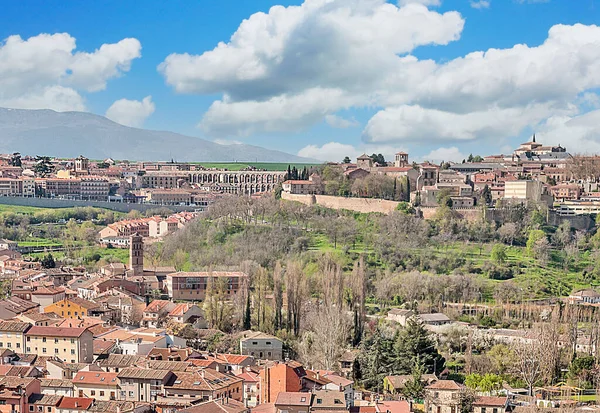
point(45, 71)
point(434, 3)
point(131, 112)
point(452, 154)
point(580, 133)
point(279, 113)
point(337, 49)
point(336, 151)
point(480, 4)
point(415, 123)
point(290, 68)
point(341, 123)
point(329, 152)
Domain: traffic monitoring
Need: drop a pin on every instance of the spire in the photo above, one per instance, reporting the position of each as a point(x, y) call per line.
point(534, 138)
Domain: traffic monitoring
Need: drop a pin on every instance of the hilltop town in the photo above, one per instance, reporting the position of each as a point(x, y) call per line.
point(367, 286)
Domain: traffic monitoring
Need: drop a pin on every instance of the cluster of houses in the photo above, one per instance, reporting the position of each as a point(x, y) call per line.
point(156, 227)
point(75, 342)
point(532, 173)
point(158, 183)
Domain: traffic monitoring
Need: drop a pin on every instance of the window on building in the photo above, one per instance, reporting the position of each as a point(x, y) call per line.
point(483, 410)
point(18, 345)
point(55, 341)
point(72, 341)
point(30, 408)
point(93, 392)
point(43, 339)
point(55, 351)
point(72, 351)
point(43, 349)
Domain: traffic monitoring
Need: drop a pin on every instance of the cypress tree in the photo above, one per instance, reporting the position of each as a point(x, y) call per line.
point(247, 315)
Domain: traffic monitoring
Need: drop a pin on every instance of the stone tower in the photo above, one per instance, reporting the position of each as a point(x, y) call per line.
point(401, 160)
point(136, 254)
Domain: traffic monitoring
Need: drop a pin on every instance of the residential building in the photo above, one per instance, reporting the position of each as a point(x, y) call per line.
point(193, 285)
point(138, 384)
point(170, 196)
point(278, 378)
point(74, 405)
point(186, 313)
point(45, 296)
point(399, 315)
point(395, 384)
point(74, 345)
point(12, 335)
point(43, 403)
point(72, 307)
point(224, 405)
point(586, 296)
point(98, 385)
point(434, 319)
point(58, 187)
point(203, 384)
point(573, 208)
point(15, 393)
point(487, 404)
point(250, 385)
point(293, 402)
point(261, 346)
point(566, 192)
point(156, 313)
point(443, 396)
point(523, 190)
point(57, 387)
point(94, 188)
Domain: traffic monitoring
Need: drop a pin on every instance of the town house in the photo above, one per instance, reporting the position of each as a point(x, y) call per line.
point(442, 397)
point(15, 393)
point(72, 307)
point(204, 384)
point(74, 345)
point(144, 385)
point(12, 335)
point(98, 385)
point(261, 346)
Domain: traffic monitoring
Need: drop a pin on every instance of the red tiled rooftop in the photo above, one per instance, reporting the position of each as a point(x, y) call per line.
point(55, 331)
point(79, 403)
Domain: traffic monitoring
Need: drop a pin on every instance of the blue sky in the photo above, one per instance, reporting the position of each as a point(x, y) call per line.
point(322, 85)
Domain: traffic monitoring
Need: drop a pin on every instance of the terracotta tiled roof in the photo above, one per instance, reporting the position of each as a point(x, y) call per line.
point(490, 401)
point(55, 331)
point(14, 326)
point(96, 377)
point(293, 399)
point(75, 403)
point(445, 385)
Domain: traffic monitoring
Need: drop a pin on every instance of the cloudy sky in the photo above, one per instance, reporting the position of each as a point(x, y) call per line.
point(320, 78)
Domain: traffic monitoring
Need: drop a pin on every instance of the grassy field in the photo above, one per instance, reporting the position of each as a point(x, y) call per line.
point(238, 166)
point(40, 242)
point(18, 209)
point(90, 253)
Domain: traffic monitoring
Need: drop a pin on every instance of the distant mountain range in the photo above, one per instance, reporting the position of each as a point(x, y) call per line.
point(70, 134)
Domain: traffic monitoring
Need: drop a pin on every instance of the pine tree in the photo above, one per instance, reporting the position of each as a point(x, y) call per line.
point(413, 344)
